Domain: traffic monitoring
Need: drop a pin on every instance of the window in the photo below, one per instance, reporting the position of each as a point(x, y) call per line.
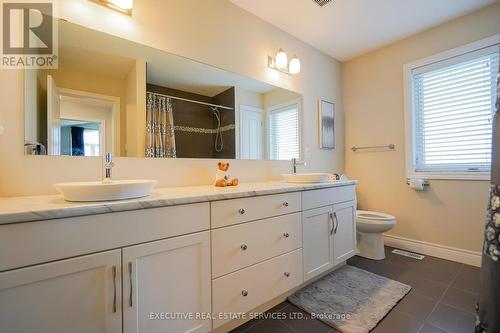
point(284, 132)
point(452, 106)
point(91, 142)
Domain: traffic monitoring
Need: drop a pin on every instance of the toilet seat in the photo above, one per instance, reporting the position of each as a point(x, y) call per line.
point(374, 217)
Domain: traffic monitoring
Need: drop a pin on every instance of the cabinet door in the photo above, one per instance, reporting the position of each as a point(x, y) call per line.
point(82, 294)
point(165, 280)
point(344, 239)
point(317, 227)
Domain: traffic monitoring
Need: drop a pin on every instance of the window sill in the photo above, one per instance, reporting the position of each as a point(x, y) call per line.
point(452, 175)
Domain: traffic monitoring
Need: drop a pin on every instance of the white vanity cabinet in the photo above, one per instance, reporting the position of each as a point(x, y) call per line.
point(182, 268)
point(256, 252)
point(162, 255)
point(329, 228)
point(344, 235)
point(318, 228)
point(164, 278)
point(78, 295)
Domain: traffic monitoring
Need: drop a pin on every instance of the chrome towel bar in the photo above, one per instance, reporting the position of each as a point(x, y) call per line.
point(390, 146)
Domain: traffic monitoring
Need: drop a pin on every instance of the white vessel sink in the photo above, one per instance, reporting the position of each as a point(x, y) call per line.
point(307, 177)
point(101, 191)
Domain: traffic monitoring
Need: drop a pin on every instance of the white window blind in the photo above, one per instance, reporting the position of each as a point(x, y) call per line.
point(453, 108)
point(284, 133)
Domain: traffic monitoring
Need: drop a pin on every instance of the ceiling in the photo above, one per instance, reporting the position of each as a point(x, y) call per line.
point(345, 29)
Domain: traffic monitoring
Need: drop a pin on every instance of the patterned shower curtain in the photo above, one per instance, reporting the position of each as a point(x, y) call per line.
point(488, 309)
point(160, 136)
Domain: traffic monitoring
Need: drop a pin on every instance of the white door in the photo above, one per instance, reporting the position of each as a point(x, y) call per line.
point(53, 118)
point(251, 133)
point(164, 278)
point(79, 295)
point(317, 227)
point(344, 239)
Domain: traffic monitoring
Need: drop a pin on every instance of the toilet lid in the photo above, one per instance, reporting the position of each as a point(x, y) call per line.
point(369, 215)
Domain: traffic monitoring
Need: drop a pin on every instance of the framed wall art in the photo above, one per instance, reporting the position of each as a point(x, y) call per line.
point(326, 118)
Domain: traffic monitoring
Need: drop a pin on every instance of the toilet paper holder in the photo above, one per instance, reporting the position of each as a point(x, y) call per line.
point(425, 183)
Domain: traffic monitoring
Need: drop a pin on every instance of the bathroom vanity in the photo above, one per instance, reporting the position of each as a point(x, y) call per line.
point(182, 260)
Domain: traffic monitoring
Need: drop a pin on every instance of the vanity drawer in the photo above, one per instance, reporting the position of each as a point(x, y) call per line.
point(246, 244)
point(327, 196)
point(235, 211)
point(260, 283)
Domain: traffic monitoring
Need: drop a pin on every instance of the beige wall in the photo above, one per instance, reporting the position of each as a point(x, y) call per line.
point(135, 121)
point(71, 77)
point(215, 32)
point(450, 213)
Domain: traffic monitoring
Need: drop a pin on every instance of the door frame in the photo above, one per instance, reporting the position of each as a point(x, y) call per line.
point(115, 113)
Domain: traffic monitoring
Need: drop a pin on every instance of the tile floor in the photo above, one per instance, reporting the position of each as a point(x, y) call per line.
point(442, 299)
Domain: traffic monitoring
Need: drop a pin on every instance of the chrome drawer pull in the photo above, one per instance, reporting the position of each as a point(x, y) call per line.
point(130, 303)
point(243, 247)
point(114, 288)
point(244, 293)
point(286, 235)
point(285, 204)
point(287, 274)
point(241, 211)
point(333, 223)
point(336, 220)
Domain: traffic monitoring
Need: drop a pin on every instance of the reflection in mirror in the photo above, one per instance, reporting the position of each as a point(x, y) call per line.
point(113, 95)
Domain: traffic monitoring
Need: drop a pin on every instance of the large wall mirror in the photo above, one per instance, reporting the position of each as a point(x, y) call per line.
point(112, 95)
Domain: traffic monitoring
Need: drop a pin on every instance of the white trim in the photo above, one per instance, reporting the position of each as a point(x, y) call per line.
point(451, 175)
point(440, 251)
point(409, 116)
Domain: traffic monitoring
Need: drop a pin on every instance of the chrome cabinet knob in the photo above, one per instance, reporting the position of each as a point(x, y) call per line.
point(286, 235)
point(287, 274)
point(241, 211)
point(243, 247)
point(285, 204)
point(244, 293)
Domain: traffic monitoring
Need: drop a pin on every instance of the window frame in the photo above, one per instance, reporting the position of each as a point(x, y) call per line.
point(273, 108)
point(409, 114)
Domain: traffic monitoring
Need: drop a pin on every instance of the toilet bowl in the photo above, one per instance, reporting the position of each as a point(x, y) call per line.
point(370, 227)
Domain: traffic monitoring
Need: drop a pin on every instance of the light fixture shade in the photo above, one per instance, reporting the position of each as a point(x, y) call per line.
point(294, 66)
point(281, 60)
point(123, 4)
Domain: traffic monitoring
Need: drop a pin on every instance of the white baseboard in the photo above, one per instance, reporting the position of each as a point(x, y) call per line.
point(445, 252)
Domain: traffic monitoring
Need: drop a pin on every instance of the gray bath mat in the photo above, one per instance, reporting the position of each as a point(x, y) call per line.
point(350, 299)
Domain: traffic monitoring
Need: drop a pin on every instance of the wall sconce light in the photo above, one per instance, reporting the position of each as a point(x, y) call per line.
point(280, 63)
point(123, 6)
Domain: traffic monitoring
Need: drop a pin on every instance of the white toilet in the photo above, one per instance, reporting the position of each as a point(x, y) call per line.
point(370, 228)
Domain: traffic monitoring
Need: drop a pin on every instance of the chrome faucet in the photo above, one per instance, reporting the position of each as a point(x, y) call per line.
point(295, 162)
point(108, 166)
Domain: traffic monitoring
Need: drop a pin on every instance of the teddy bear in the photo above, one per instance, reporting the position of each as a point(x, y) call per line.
point(221, 177)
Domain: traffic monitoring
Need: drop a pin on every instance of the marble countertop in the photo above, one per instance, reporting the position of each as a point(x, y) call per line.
point(37, 208)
